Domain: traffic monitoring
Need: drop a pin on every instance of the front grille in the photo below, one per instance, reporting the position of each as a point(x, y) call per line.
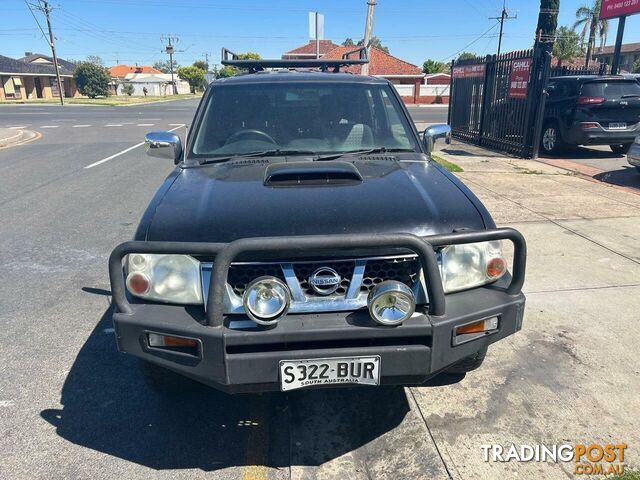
point(401, 269)
point(377, 270)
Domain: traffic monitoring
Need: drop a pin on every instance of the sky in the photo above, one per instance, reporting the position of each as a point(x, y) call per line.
point(129, 31)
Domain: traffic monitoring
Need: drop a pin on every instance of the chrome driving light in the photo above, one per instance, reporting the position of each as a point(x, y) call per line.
point(164, 278)
point(471, 265)
point(266, 299)
point(391, 303)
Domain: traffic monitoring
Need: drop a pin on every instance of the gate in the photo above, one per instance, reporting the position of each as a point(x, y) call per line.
point(498, 101)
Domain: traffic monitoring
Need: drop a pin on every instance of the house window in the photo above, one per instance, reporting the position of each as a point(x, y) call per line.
point(12, 87)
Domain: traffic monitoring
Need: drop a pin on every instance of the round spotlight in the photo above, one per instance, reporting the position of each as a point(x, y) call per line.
point(138, 283)
point(266, 299)
point(391, 303)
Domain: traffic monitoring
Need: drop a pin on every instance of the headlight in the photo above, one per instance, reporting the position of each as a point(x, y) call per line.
point(471, 265)
point(164, 278)
point(266, 299)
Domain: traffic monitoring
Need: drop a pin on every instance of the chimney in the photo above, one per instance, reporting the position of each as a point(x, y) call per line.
point(26, 54)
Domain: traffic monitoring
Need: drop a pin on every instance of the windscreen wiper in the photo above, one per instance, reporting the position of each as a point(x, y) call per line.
point(352, 153)
point(276, 152)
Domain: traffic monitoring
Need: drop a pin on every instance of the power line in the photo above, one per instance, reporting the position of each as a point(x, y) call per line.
point(471, 43)
point(504, 15)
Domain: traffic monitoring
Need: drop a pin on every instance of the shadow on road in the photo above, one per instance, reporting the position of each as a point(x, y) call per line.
point(108, 408)
point(625, 177)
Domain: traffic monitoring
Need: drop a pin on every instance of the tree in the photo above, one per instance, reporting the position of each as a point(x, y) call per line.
point(567, 45)
point(635, 68)
point(466, 56)
point(95, 59)
point(92, 80)
point(229, 71)
point(348, 42)
point(588, 17)
point(202, 65)
point(164, 66)
point(432, 66)
point(548, 21)
point(127, 89)
point(193, 75)
point(375, 42)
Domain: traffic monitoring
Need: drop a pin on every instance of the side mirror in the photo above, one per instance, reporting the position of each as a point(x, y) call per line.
point(163, 145)
point(433, 133)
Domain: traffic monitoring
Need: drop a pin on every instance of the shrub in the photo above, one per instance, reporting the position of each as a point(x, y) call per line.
point(128, 89)
point(92, 80)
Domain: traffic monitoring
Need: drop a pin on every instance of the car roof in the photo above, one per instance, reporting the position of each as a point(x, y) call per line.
point(285, 75)
point(585, 78)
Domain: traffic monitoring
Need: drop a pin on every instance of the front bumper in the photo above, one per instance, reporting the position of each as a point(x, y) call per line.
point(246, 359)
point(602, 135)
point(633, 156)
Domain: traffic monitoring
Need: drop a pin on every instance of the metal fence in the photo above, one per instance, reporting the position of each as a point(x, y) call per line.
point(497, 101)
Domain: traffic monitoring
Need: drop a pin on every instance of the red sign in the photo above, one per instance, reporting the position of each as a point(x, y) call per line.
point(519, 79)
point(619, 8)
point(469, 71)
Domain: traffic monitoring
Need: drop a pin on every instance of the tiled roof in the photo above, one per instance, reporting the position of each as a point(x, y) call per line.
point(310, 48)
point(380, 63)
point(626, 48)
point(61, 62)
point(13, 66)
point(122, 70)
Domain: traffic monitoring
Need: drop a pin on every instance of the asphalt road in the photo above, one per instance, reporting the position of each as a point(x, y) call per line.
point(71, 406)
point(429, 114)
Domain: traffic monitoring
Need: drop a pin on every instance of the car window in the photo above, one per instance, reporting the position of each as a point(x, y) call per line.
point(610, 90)
point(317, 117)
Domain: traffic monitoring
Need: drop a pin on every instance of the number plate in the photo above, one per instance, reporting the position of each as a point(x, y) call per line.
point(328, 371)
point(617, 126)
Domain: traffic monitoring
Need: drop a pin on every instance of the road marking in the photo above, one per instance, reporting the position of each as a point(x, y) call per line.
point(80, 126)
point(17, 127)
point(148, 119)
point(176, 124)
point(49, 126)
point(6, 403)
point(111, 157)
point(113, 125)
point(146, 124)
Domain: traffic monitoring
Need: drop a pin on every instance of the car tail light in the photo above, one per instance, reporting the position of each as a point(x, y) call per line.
point(589, 125)
point(590, 100)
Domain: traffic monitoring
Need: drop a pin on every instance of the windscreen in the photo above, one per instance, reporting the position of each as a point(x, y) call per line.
point(613, 90)
point(307, 117)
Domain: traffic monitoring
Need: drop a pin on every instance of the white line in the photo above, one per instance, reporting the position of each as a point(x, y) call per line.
point(176, 124)
point(100, 162)
point(148, 119)
point(146, 124)
point(6, 403)
point(80, 126)
point(17, 127)
point(113, 125)
point(49, 126)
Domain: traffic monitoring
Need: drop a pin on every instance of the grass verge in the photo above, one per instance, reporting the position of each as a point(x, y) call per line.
point(627, 475)
point(110, 101)
point(452, 167)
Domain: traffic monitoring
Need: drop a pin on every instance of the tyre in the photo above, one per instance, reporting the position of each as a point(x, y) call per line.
point(551, 142)
point(163, 380)
point(468, 364)
point(620, 149)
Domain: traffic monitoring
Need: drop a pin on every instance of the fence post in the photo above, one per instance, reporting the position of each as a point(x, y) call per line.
point(483, 102)
point(544, 58)
point(450, 93)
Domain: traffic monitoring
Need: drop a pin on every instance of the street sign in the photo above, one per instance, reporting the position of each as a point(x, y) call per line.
point(519, 79)
point(469, 71)
point(313, 28)
point(619, 8)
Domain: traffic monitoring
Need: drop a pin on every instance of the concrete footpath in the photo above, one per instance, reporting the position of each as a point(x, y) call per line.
point(573, 374)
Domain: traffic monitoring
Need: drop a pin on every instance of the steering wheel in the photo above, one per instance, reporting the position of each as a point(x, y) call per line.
point(240, 134)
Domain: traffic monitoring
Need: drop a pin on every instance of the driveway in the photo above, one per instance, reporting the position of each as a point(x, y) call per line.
point(71, 406)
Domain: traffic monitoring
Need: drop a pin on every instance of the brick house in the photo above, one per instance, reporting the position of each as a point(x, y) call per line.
point(629, 54)
point(34, 76)
point(407, 78)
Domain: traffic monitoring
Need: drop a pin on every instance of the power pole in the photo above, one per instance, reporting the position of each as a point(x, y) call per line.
point(46, 9)
point(503, 16)
point(169, 49)
point(206, 58)
point(368, 32)
point(317, 37)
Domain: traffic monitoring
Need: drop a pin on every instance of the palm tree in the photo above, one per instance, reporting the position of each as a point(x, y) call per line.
point(567, 45)
point(588, 17)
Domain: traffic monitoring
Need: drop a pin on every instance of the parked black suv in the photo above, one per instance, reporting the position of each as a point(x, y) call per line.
point(306, 239)
point(591, 110)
